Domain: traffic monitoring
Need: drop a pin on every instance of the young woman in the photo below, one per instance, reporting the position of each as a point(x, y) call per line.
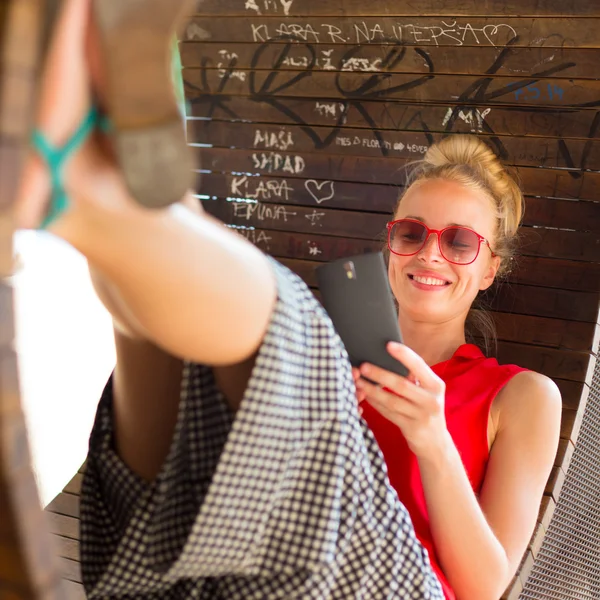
point(469, 450)
point(228, 459)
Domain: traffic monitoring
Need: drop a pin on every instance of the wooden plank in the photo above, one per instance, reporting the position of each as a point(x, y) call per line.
point(571, 393)
point(566, 244)
point(510, 60)
point(74, 486)
point(517, 298)
point(536, 271)
point(555, 183)
point(324, 221)
point(525, 151)
point(544, 302)
point(562, 244)
point(447, 117)
point(543, 331)
point(546, 511)
point(563, 364)
point(423, 31)
point(67, 547)
point(447, 8)
point(526, 567)
point(551, 272)
point(318, 247)
point(569, 425)
point(555, 483)
point(75, 590)
point(511, 327)
point(488, 90)
point(65, 504)
point(565, 214)
point(545, 212)
point(71, 570)
point(564, 454)
point(346, 195)
point(65, 526)
point(581, 412)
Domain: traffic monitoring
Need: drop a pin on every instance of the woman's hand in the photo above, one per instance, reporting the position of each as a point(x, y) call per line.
point(414, 403)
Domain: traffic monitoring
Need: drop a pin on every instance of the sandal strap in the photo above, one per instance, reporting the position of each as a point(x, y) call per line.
point(56, 158)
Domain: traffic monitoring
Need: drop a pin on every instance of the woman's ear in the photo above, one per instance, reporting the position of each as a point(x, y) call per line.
point(490, 273)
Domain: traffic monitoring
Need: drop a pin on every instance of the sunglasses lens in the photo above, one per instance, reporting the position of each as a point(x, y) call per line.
point(407, 237)
point(459, 245)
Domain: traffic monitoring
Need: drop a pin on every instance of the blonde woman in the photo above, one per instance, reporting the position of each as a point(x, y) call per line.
point(470, 449)
point(228, 459)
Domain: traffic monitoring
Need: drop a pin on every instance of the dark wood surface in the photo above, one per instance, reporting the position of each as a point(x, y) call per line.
point(419, 8)
point(306, 116)
point(525, 91)
point(63, 515)
point(375, 198)
point(567, 62)
point(521, 151)
point(423, 31)
point(28, 565)
point(466, 117)
point(557, 183)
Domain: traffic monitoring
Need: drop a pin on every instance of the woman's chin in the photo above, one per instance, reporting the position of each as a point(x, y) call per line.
point(423, 312)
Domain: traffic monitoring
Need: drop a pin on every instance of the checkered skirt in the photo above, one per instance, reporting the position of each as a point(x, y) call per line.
point(288, 498)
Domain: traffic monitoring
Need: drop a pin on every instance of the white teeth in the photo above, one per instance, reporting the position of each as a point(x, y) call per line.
point(429, 280)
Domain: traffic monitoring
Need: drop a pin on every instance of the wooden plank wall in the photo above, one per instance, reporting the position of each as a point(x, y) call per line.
point(305, 112)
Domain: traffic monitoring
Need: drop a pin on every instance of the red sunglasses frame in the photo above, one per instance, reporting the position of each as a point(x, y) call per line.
point(439, 233)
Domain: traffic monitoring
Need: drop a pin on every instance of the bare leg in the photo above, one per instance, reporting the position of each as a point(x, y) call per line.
point(187, 285)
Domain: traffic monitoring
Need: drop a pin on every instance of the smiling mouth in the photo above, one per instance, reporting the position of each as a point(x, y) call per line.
point(429, 281)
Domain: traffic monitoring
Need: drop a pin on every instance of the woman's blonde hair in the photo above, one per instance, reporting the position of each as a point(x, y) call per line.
point(469, 161)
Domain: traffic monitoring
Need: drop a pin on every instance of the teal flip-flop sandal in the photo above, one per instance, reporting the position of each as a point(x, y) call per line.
point(56, 159)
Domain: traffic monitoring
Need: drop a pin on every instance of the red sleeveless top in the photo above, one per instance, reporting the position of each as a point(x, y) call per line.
point(472, 382)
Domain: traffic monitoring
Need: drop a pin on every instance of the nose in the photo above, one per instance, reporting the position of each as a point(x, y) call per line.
point(430, 252)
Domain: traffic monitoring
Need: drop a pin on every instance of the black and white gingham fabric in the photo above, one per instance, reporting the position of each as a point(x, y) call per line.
point(290, 499)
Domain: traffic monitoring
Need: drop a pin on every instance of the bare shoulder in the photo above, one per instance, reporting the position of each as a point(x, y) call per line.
point(529, 397)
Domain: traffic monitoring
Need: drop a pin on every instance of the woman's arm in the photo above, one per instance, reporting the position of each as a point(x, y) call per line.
point(196, 289)
point(481, 544)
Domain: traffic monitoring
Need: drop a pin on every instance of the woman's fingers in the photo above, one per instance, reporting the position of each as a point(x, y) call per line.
point(418, 368)
point(392, 386)
point(389, 382)
point(421, 375)
point(360, 395)
point(387, 403)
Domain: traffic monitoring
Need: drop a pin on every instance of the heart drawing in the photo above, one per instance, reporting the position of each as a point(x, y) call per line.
point(321, 192)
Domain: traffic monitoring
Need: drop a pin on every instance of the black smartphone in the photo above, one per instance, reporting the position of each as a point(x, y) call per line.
point(356, 294)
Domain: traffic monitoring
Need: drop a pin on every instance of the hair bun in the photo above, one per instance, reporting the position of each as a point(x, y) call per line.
point(468, 160)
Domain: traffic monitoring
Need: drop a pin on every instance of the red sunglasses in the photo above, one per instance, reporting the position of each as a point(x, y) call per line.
point(458, 245)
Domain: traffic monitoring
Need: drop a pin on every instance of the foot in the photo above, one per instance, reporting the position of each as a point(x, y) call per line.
point(64, 100)
point(80, 67)
point(149, 139)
